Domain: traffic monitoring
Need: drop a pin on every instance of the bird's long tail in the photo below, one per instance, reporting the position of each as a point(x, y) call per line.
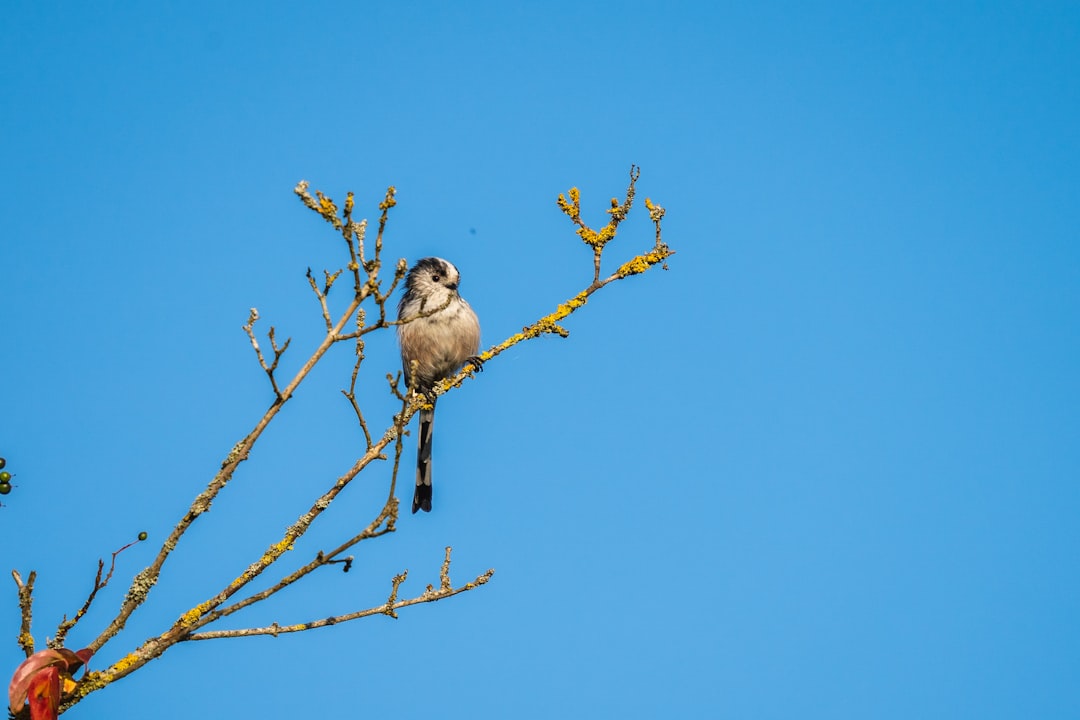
point(422, 495)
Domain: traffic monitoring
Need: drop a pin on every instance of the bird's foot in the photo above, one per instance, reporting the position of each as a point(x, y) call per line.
point(476, 362)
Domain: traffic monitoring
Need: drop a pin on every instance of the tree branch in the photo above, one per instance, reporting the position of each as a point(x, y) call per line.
point(66, 625)
point(390, 607)
point(189, 625)
point(26, 603)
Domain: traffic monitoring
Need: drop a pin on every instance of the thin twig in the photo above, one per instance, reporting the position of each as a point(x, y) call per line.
point(66, 625)
point(321, 294)
point(249, 328)
point(350, 394)
point(381, 525)
point(444, 572)
point(146, 579)
point(390, 607)
point(200, 615)
point(215, 607)
point(26, 603)
point(618, 212)
point(399, 445)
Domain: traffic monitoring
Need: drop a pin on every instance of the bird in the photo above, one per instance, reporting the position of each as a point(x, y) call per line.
point(438, 333)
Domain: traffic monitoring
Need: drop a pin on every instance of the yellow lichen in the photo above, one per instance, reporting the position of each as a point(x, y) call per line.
point(594, 238)
point(191, 616)
point(569, 306)
point(124, 663)
point(642, 263)
point(278, 549)
point(633, 267)
point(655, 211)
point(572, 208)
point(326, 206)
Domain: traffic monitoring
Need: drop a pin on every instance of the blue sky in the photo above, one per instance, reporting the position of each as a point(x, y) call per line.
point(825, 466)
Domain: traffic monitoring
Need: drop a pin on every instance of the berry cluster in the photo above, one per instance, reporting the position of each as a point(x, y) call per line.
point(5, 478)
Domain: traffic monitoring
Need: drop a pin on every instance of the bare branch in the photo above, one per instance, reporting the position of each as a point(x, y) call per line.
point(598, 239)
point(249, 328)
point(381, 525)
point(444, 572)
point(390, 607)
point(190, 625)
point(350, 394)
point(278, 352)
point(423, 313)
point(66, 625)
point(324, 206)
point(550, 323)
point(321, 294)
point(145, 580)
point(399, 427)
point(202, 613)
point(26, 602)
point(395, 585)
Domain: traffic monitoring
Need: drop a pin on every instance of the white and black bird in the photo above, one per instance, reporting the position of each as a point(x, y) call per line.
point(440, 333)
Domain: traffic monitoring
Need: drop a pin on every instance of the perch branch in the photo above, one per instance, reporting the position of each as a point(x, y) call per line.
point(215, 608)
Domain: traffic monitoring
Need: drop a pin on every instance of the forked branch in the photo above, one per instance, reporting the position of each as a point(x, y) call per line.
point(367, 284)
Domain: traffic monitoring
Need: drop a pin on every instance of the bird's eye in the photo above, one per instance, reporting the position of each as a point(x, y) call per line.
point(435, 278)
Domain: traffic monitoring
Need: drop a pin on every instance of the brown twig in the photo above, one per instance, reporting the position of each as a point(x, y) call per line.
point(598, 239)
point(390, 607)
point(203, 613)
point(399, 446)
point(350, 394)
point(26, 603)
point(321, 294)
point(383, 524)
point(215, 608)
point(444, 572)
point(549, 324)
point(249, 328)
point(145, 580)
point(66, 625)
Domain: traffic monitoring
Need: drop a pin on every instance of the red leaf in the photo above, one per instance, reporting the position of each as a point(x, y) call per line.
point(44, 694)
point(81, 658)
point(24, 675)
point(39, 673)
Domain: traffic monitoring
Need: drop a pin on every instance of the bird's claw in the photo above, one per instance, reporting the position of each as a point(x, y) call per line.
point(476, 362)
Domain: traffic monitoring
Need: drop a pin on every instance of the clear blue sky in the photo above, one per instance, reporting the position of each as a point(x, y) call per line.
point(826, 466)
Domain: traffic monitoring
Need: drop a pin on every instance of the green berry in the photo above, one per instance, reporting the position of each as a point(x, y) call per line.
point(142, 536)
point(5, 477)
point(3, 462)
point(5, 488)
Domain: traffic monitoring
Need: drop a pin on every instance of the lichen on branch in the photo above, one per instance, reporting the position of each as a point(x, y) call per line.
point(364, 312)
